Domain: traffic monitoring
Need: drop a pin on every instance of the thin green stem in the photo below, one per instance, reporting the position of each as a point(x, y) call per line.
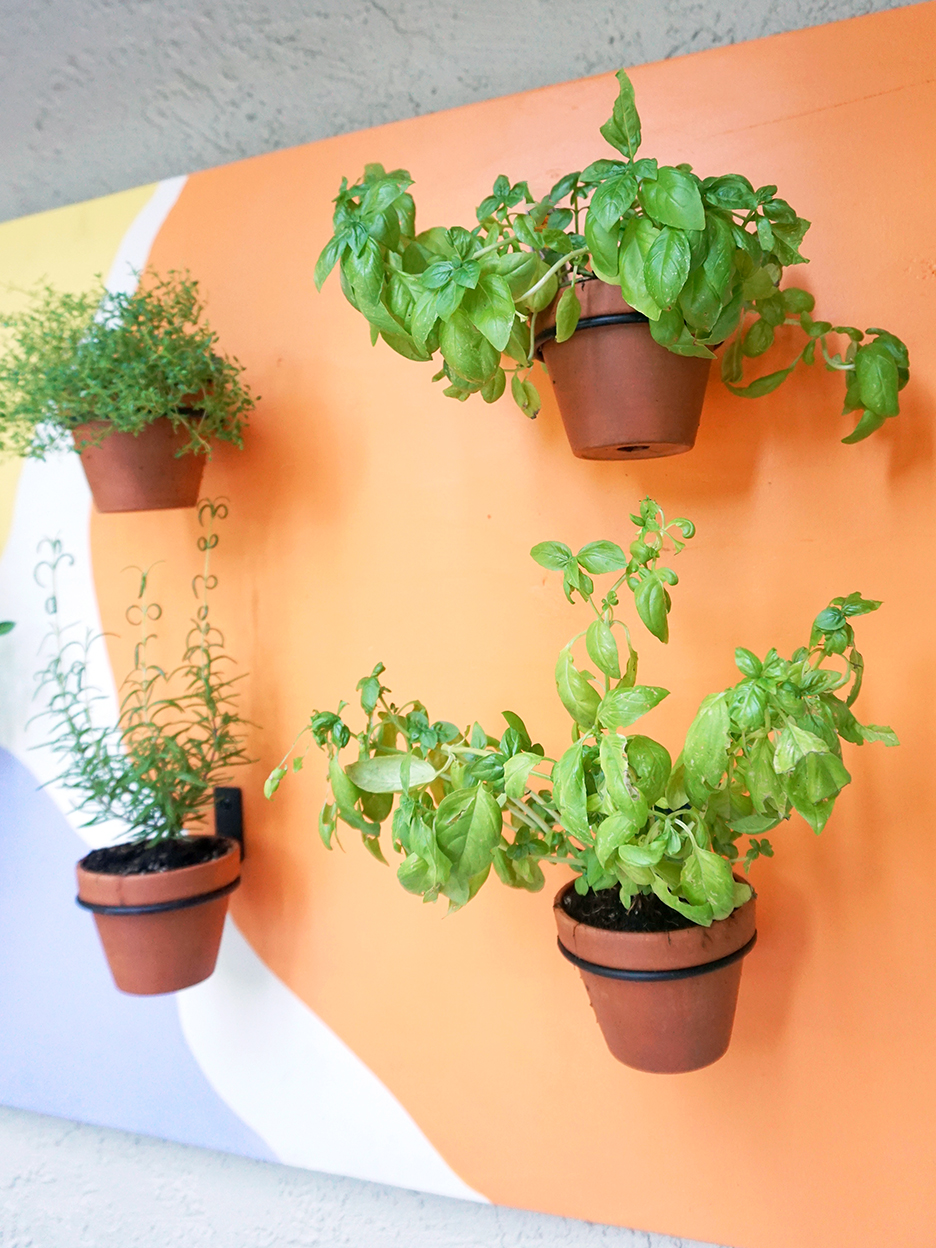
point(566, 259)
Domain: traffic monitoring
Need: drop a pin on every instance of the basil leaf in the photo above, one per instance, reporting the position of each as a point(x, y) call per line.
point(490, 309)
point(620, 708)
point(876, 375)
point(568, 311)
point(553, 555)
point(731, 191)
point(577, 694)
point(793, 744)
point(467, 829)
point(612, 832)
point(666, 266)
point(650, 598)
point(651, 765)
point(747, 662)
point(622, 130)
point(383, 773)
point(869, 423)
point(602, 649)
point(611, 199)
point(467, 350)
point(763, 385)
point(706, 877)
point(639, 236)
point(569, 784)
point(516, 771)
point(705, 752)
point(604, 246)
point(673, 199)
point(602, 556)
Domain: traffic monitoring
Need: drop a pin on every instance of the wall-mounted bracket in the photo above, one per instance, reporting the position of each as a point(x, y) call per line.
point(229, 814)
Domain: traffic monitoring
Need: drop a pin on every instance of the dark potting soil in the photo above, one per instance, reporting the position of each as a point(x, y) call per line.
point(604, 909)
point(148, 858)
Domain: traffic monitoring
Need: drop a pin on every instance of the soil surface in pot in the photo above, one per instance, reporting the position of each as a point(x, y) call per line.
point(148, 858)
point(604, 909)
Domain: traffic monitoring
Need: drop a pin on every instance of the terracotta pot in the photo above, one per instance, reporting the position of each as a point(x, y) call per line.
point(140, 472)
point(168, 946)
point(662, 1022)
point(621, 395)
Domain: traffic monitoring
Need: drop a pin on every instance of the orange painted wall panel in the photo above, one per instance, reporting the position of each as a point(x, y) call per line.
point(372, 519)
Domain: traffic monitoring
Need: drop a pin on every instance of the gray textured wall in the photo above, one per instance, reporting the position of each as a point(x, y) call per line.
point(101, 95)
point(68, 1186)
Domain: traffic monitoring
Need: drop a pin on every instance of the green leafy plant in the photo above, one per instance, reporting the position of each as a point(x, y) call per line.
point(702, 258)
point(178, 732)
point(613, 806)
point(124, 359)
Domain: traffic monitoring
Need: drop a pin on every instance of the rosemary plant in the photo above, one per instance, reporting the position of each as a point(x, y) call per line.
point(178, 732)
point(122, 359)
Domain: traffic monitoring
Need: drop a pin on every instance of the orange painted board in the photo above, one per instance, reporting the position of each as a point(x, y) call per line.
point(373, 519)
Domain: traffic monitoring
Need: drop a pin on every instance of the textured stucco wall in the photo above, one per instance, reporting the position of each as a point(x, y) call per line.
point(100, 95)
point(64, 1185)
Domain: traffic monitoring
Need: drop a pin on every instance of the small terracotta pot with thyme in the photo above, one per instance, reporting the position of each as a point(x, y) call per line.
point(132, 381)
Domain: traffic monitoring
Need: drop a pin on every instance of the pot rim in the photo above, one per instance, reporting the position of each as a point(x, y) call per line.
point(676, 950)
point(625, 315)
point(158, 887)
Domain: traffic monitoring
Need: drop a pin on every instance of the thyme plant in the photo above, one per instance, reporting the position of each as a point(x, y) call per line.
point(702, 258)
point(613, 807)
point(178, 732)
point(124, 359)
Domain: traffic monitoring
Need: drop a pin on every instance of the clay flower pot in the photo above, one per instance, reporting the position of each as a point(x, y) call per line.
point(140, 472)
point(161, 931)
point(665, 1001)
point(621, 395)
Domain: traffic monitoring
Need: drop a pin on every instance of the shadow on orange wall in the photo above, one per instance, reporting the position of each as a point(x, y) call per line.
point(373, 519)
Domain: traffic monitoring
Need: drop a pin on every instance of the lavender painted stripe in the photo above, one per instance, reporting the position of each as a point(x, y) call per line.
point(70, 1043)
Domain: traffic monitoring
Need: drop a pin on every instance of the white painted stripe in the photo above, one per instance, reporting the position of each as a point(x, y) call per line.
point(134, 250)
point(298, 1085)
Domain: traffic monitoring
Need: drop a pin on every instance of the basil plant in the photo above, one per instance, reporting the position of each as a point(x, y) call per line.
point(702, 258)
point(613, 807)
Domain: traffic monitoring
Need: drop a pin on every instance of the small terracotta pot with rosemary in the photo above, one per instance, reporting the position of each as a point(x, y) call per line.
point(656, 917)
point(131, 381)
point(159, 898)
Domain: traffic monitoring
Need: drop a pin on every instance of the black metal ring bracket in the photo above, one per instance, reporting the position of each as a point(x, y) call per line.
point(651, 977)
point(161, 907)
point(591, 322)
point(229, 814)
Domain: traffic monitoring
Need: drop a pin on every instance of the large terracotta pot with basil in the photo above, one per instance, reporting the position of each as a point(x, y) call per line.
point(620, 394)
point(664, 1000)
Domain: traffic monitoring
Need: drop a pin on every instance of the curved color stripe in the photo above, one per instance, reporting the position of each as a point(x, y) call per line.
point(299, 1086)
point(271, 1061)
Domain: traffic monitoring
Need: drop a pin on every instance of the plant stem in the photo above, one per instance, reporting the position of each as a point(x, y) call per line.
point(581, 251)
